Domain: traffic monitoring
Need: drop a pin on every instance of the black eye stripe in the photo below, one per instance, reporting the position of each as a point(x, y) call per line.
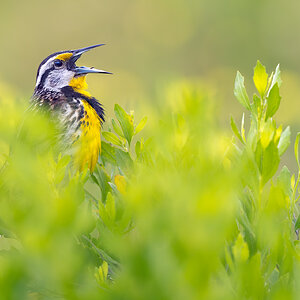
point(44, 76)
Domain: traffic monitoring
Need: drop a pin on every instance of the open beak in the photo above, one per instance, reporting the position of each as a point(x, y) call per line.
point(85, 70)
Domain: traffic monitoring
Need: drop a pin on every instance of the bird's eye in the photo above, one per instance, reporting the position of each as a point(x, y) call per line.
point(58, 63)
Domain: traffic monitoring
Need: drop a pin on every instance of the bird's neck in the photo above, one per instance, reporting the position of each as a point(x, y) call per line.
point(79, 85)
point(75, 90)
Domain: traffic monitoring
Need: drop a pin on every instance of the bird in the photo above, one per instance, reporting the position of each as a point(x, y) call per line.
point(61, 89)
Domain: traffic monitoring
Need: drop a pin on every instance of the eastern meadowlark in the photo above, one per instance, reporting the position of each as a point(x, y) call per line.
point(61, 88)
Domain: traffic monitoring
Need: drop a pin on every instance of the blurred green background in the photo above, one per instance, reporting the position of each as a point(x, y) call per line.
point(152, 43)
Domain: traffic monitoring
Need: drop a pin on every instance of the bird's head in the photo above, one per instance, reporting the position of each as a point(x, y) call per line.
point(59, 70)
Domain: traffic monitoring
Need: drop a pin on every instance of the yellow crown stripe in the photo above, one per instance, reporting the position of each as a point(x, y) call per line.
point(64, 56)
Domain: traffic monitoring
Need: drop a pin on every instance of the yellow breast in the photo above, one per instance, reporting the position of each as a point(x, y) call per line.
point(88, 145)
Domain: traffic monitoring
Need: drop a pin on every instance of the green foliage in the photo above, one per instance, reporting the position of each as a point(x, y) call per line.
point(189, 213)
point(240, 91)
point(268, 205)
point(260, 78)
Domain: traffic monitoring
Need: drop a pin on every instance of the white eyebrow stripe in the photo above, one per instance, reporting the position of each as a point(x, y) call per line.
point(42, 70)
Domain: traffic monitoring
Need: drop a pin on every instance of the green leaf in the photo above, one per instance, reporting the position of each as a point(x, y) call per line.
point(284, 141)
point(107, 211)
point(240, 91)
point(293, 181)
point(141, 125)
point(243, 220)
point(256, 105)
point(126, 122)
point(297, 224)
point(260, 78)
point(103, 214)
point(103, 182)
point(273, 101)
point(124, 161)
point(228, 258)
point(267, 133)
point(240, 249)
point(243, 127)
point(276, 78)
point(108, 153)
point(104, 270)
point(112, 138)
point(296, 148)
point(259, 155)
point(252, 136)
point(235, 130)
point(63, 162)
point(274, 276)
point(270, 162)
point(143, 151)
point(116, 128)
